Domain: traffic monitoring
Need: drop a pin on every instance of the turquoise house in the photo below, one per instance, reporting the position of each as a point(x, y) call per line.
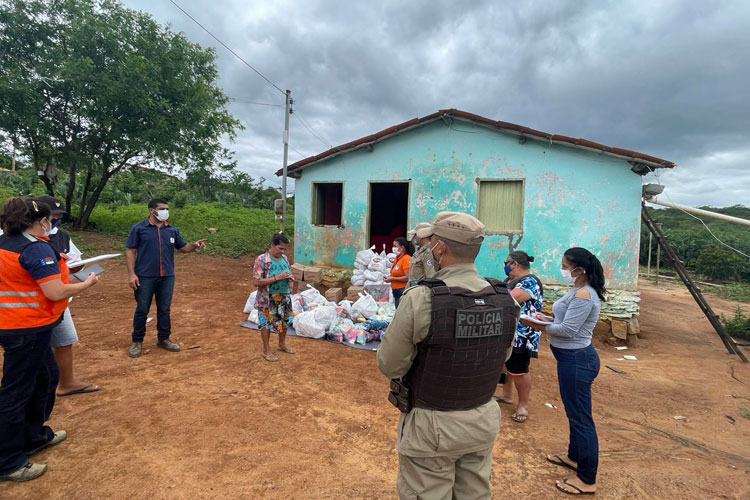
point(534, 191)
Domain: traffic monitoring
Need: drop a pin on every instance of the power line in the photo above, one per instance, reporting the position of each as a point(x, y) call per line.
point(309, 129)
point(227, 47)
point(701, 221)
point(293, 149)
point(234, 99)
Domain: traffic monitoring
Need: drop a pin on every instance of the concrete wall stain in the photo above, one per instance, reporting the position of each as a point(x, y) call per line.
point(572, 198)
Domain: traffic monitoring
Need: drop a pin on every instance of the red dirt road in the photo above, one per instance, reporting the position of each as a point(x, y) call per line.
point(217, 421)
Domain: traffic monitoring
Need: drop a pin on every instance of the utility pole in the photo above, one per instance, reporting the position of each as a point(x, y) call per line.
point(658, 253)
point(288, 111)
point(648, 268)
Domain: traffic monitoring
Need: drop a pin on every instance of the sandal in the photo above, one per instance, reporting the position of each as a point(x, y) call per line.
point(578, 491)
point(270, 357)
point(520, 418)
point(502, 400)
point(558, 460)
point(287, 349)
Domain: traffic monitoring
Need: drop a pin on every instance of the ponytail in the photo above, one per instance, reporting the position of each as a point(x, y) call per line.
point(408, 245)
point(580, 257)
point(20, 214)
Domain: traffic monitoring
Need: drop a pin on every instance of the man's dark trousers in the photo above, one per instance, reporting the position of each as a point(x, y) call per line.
point(160, 287)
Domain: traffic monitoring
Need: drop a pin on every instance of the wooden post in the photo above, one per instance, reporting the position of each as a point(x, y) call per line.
point(658, 254)
point(648, 266)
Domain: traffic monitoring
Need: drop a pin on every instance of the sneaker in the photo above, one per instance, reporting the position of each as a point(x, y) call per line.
point(26, 472)
point(58, 438)
point(135, 349)
point(168, 345)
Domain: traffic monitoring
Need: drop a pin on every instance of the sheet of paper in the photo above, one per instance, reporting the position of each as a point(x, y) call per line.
point(630, 357)
point(92, 259)
point(538, 321)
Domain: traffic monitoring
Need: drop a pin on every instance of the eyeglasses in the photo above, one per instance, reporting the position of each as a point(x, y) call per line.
point(508, 262)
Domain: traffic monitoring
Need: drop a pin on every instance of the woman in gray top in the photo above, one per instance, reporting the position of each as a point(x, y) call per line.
point(576, 314)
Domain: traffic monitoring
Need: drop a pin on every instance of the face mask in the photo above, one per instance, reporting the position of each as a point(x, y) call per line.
point(567, 276)
point(394, 250)
point(48, 230)
point(162, 215)
point(56, 223)
point(507, 270)
point(432, 251)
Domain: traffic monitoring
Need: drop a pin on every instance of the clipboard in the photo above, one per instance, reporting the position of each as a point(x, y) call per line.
point(537, 321)
point(83, 273)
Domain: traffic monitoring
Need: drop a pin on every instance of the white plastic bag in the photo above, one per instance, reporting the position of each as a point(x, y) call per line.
point(391, 258)
point(374, 276)
point(306, 325)
point(365, 256)
point(250, 303)
point(358, 280)
point(365, 305)
point(346, 305)
point(378, 265)
point(253, 317)
point(325, 315)
point(310, 294)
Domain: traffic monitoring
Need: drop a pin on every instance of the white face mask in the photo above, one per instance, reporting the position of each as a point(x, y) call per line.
point(48, 230)
point(394, 250)
point(162, 215)
point(432, 251)
point(567, 276)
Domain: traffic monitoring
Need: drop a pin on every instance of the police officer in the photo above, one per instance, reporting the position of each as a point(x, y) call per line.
point(423, 263)
point(447, 344)
point(34, 293)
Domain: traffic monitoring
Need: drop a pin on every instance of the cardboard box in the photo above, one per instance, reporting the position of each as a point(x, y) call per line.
point(353, 292)
point(298, 271)
point(313, 275)
point(335, 294)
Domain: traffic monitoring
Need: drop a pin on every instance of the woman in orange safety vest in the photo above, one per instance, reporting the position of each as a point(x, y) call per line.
point(34, 293)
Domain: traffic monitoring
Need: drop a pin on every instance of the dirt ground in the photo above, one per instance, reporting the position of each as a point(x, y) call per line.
point(217, 421)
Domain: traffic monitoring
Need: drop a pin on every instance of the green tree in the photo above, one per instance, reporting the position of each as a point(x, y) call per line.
point(718, 263)
point(91, 83)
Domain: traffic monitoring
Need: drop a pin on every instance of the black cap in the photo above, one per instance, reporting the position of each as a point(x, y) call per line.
point(55, 205)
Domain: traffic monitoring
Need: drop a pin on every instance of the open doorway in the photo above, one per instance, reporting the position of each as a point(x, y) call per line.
point(389, 212)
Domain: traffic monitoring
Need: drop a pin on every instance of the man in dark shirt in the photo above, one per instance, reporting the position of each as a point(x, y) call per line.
point(150, 260)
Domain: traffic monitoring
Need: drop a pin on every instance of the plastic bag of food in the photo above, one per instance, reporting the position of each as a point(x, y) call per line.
point(310, 294)
point(365, 256)
point(325, 315)
point(253, 317)
point(365, 305)
point(250, 303)
point(306, 325)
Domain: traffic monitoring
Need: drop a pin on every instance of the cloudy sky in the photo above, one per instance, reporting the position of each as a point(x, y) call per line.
point(666, 78)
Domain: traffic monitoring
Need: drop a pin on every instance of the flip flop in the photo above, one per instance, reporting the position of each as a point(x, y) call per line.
point(287, 349)
point(578, 491)
point(558, 460)
point(82, 390)
point(502, 400)
point(519, 418)
point(270, 357)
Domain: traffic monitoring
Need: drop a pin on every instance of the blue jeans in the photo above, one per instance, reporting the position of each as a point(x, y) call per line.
point(397, 293)
point(161, 287)
point(27, 396)
point(576, 371)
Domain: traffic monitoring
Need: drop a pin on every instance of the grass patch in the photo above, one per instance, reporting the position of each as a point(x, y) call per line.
point(738, 325)
point(736, 291)
point(241, 230)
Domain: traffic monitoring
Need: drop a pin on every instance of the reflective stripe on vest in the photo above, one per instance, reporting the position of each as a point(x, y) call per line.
point(18, 294)
point(19, 304)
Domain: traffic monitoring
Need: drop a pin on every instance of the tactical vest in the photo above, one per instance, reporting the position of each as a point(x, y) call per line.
point(459, 363)
point(23, 306)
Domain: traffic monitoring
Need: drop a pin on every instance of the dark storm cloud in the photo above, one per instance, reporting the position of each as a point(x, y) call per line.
point(665, 78)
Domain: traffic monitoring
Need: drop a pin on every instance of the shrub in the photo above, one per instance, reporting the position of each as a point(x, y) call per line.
point(720, 264)
point(241, 230)
point(739, 325)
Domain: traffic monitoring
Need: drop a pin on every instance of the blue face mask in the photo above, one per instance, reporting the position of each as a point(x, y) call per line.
point(507, 270)
point(56, 223)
